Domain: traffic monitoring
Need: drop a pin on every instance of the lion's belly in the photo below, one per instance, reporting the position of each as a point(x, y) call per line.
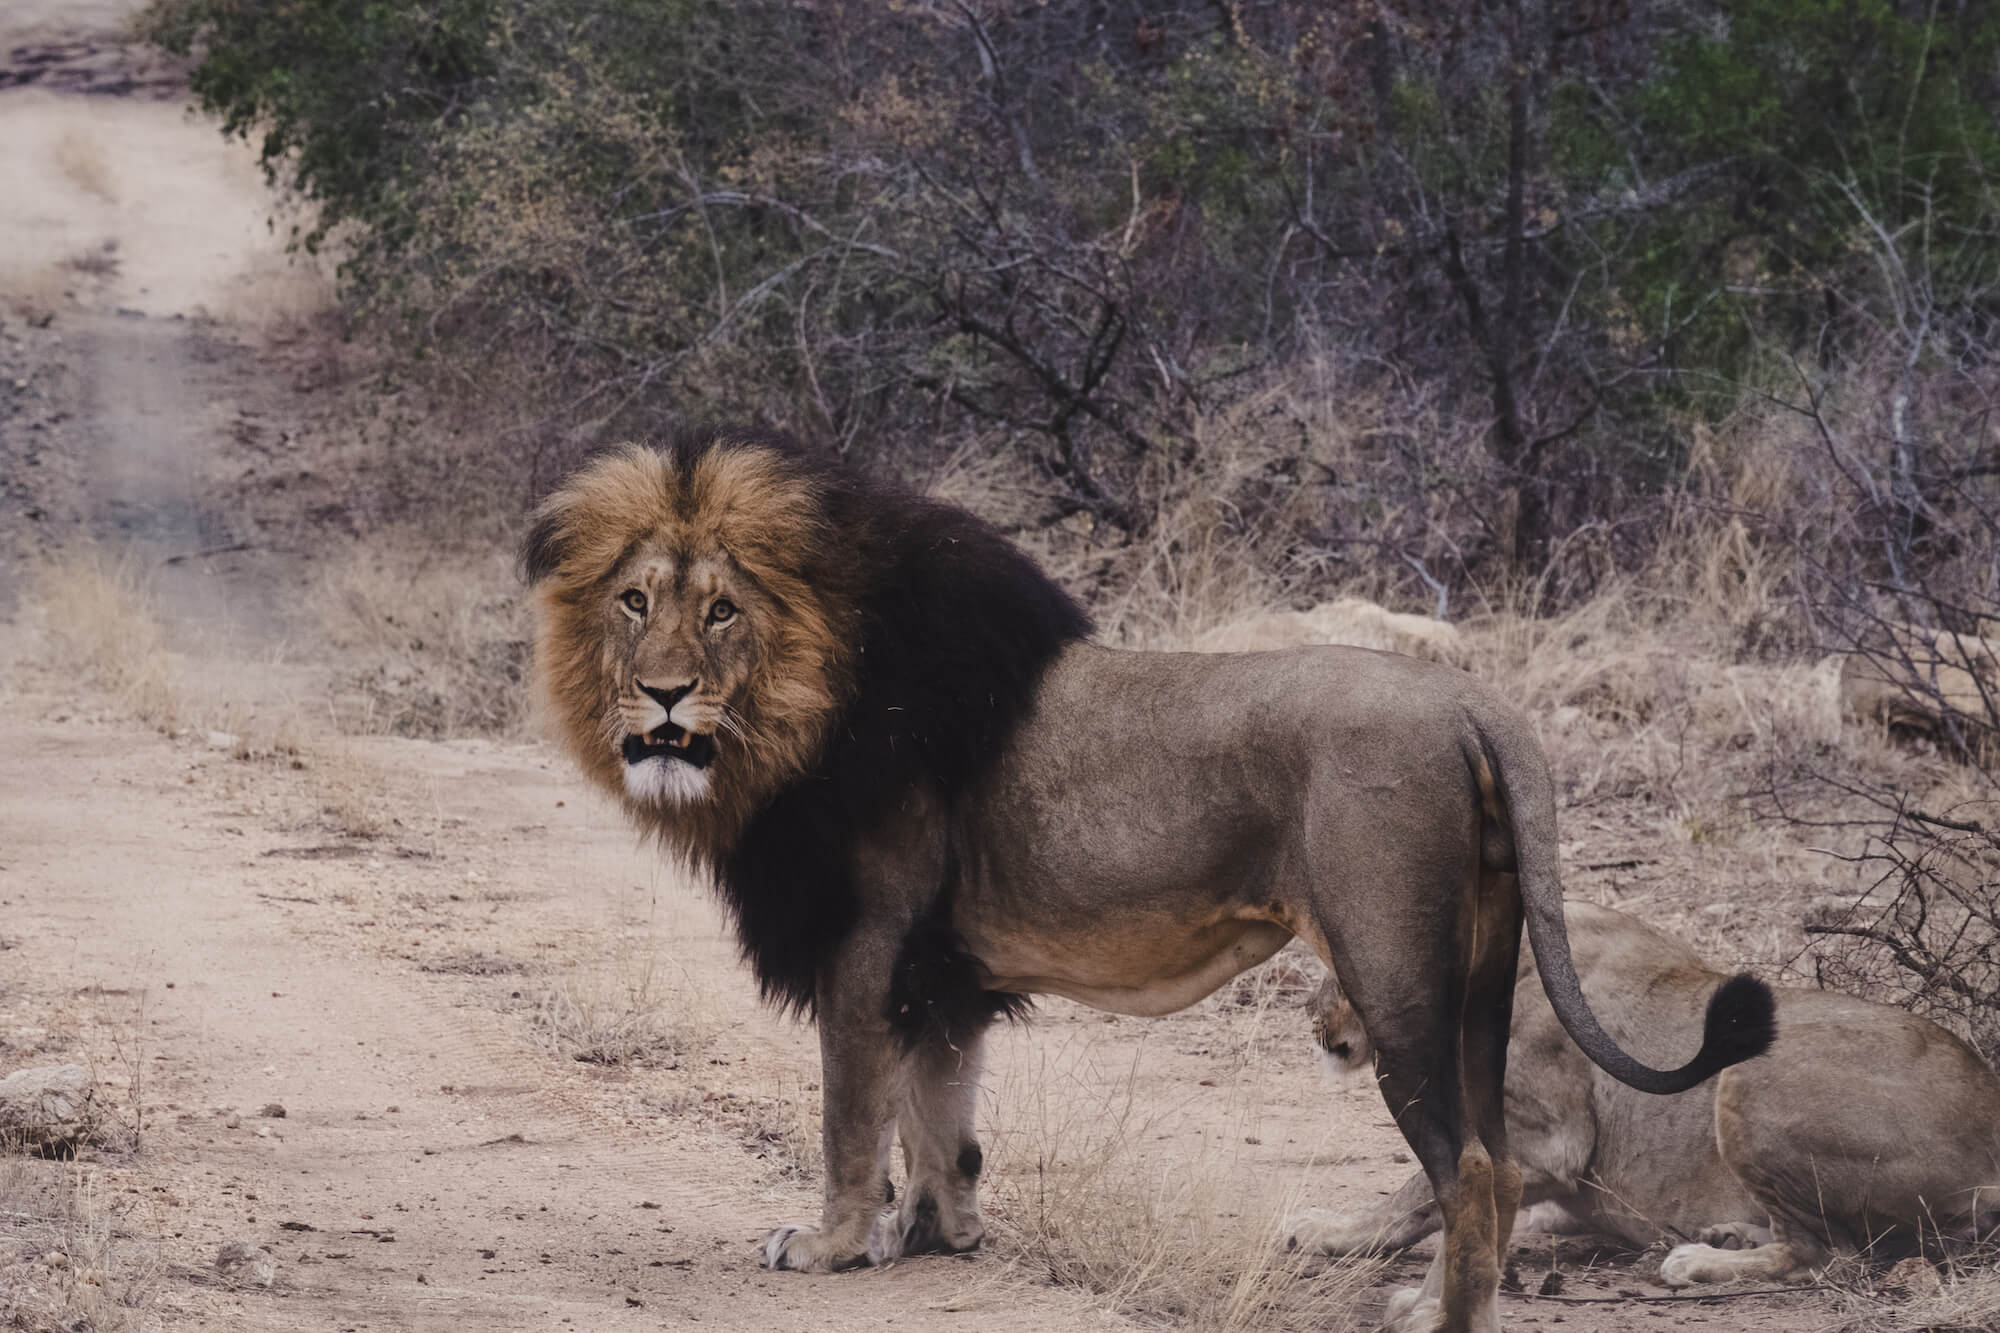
point(1125, 969)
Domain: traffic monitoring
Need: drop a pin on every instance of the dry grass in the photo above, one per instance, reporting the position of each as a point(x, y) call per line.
point(280, 294)
point(68, 1261)
point(1960, 1296)
point(349, 793)
point(99, 262)
point(34, 292)
point(81, 160)
point(1079, 1195)
point(97, 625)
point(638, 1007)
point(433, 644)
point(785, 1130)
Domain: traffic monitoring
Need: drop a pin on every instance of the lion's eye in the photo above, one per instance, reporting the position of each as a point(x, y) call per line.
point(722, 612)
point(635, 601)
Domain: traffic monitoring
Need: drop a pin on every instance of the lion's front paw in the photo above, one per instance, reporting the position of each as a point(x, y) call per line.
point(803, 1248)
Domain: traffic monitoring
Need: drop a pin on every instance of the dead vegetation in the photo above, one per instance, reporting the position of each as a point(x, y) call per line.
point(1961, 1295)
point(70, 1257)
point(634, 1007)
point(431, 645)
point(1076, 1197)
point(82, 162)
point(97, 627)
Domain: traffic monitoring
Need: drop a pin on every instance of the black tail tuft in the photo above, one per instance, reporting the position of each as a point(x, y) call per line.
point(1742, 1022)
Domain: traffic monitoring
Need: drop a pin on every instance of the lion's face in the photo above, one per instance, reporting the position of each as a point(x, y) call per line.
point(690, 659)
point(684, 632)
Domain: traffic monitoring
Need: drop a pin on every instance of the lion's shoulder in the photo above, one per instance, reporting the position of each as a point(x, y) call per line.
point(956, 627)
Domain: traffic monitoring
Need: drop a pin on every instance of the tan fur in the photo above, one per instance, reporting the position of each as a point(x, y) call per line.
point(1930, 682)
point(1345, 620)
point(1863, 1125)
point(742, 511)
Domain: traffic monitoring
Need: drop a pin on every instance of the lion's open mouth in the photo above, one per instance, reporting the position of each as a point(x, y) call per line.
point(668, 741)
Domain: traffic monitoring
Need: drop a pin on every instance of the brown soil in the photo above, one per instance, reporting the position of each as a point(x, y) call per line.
point(374, 933)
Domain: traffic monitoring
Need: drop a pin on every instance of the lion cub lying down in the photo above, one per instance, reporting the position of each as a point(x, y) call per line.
point(1864, 1128)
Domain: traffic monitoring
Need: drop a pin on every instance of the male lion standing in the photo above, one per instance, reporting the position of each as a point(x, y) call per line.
point(925, 795)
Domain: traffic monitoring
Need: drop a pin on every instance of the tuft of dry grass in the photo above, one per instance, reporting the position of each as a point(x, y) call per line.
point(67, 1259)
point(638, 1008)
point(280, 294)
point(350, 794)
point(81, 160)
point(785, 1131)
point(97, 625)
point(34, 292)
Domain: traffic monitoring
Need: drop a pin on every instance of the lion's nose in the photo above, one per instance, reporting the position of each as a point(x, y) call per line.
point(668, 698)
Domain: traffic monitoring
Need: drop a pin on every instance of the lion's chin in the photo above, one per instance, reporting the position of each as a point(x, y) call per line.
point(665, 782)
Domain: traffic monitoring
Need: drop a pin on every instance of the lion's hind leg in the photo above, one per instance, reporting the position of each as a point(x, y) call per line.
point(1479, 1213)
point(1410, 993)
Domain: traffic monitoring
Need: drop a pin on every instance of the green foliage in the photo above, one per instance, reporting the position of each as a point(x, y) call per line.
point(349, 96)
point(1829, 115)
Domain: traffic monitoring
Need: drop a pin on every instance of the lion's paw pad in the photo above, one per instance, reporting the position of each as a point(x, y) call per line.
point(776, 1253)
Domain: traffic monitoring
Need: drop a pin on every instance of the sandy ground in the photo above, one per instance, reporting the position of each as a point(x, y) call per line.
point(381, 936)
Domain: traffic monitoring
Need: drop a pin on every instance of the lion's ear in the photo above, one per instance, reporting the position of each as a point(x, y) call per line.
point(546, 546)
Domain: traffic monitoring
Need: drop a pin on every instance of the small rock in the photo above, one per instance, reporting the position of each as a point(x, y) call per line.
point(223, 740)
point(272, 1111)
point(47, 1105)
point(232, 1121)
point(1914, 1277)
point(246, 1262)
point(1552, 1284)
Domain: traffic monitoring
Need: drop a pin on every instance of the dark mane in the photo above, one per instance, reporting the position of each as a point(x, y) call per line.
point(956, 627)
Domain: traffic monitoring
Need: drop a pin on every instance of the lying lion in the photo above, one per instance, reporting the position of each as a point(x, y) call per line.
point(926, 795)
point(1866, 1128)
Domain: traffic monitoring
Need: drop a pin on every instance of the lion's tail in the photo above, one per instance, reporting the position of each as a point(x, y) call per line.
point(1742, 1017)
